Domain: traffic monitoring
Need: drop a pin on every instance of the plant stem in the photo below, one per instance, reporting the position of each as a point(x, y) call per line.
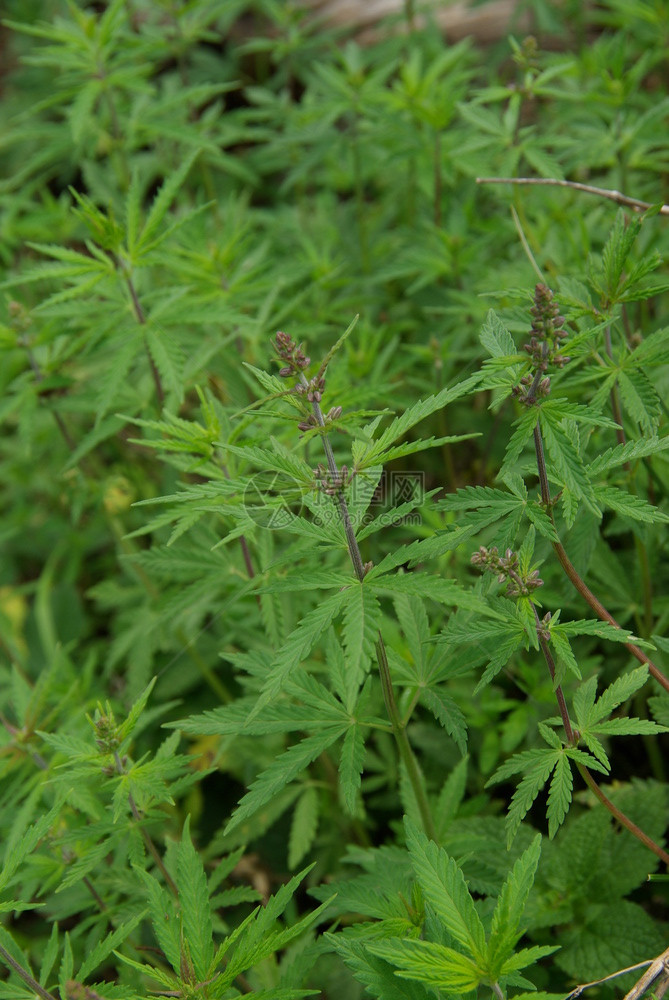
point(620, 199)
point(25, 975)
point(141, 319)
point(620, 816)
point(548, 656)
point(573, 575)
point(437, 178)
point(151, 847)
point(398, 726)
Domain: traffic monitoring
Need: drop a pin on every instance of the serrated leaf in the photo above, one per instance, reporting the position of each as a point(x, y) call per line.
point(629, 505)
point(623, 453)
point(303, 827)
point(640, 399)
point(445, 889)
point(524, 430)
point(450, 797)
point(510, 906)
point(161, 204)
point(447, 712)
point(495, 337)
point(351, 763)
point(430, 963)
point(360, 628)
point(568, 463)
point(103, 949)
point(298, 645)
point(559, 794)
point(50, 956)
point(376, 452)
point(281, 771)
point(196, 922)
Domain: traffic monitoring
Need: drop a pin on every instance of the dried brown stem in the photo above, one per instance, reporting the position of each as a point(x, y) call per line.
point(616, 196)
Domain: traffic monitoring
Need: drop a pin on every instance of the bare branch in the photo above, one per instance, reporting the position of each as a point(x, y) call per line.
point(617, 196)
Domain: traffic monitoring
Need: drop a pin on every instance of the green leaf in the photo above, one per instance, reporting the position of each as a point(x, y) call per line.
point(376, 452)
point(495, 337)
point(298, 645)
point(161, 205)
point(351, 762)
point(26, 844)
point(623, 453)
point(506, 930)
point(430, 963)
point(304, 826)
point(629, 505)
point(450, 797)
point(445, 889)
point(448, 713)
point(51, 954)
point(524, 430)
point(103, 949)
point(559, 794)
point(640, 399)
point(281, 771)
point(164, 918)
point(196, 922)
point(360, 629)
point(567, 462)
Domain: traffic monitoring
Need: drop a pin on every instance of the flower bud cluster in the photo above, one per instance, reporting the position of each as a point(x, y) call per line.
point(547, 333)
point(543, 629)
point(313, 390)
point(106, 733)
point(291, 353)
point(331, 485)
point(506, 568)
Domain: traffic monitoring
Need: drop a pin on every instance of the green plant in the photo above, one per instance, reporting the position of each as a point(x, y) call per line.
point(399, 603)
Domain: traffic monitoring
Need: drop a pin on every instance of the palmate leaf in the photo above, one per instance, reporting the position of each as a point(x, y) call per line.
point(258, 938)
point(445, 889)
point(159, 209)
point(536, 767)
point(376, 453)
point(298, 645)
point(374, 972)
point(282, 771)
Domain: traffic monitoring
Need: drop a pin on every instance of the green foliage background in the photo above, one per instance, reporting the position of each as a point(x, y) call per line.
point(203, 789)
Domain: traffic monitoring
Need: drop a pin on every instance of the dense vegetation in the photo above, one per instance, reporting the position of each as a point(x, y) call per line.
point(334, 582)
